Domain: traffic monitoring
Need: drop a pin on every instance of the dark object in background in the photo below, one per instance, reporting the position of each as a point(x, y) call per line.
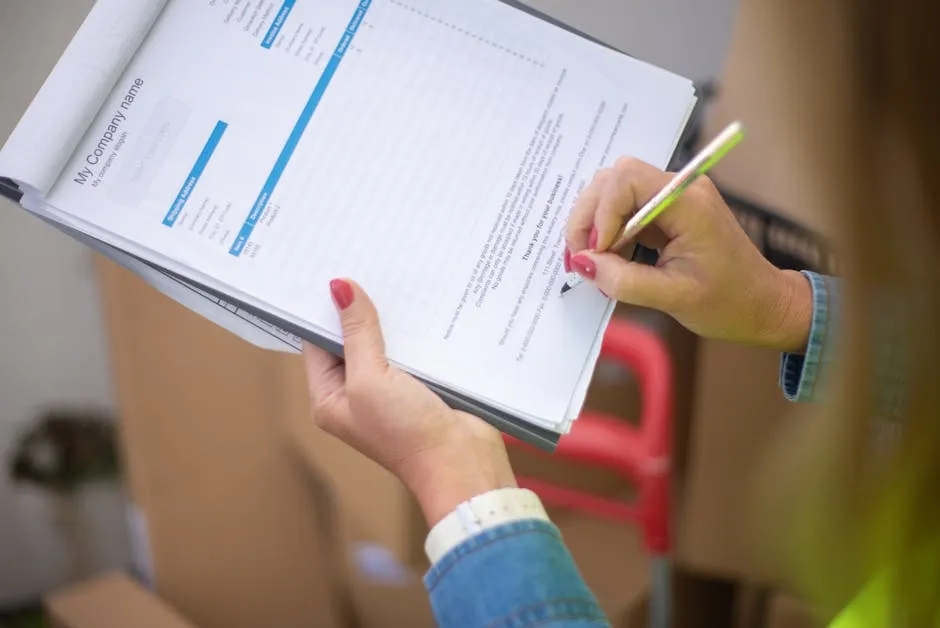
point(62, 450)
point(65, 449)
point(10, 190)
point(784, 243)
point(30, 616)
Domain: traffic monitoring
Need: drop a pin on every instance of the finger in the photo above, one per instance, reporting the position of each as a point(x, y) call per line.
point(319, 362)
point(632, 185)
point(326, 378)
point(581, 220)
point(364, 347)
point(628, 282)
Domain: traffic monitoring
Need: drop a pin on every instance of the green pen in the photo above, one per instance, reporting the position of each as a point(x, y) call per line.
point(699, 165)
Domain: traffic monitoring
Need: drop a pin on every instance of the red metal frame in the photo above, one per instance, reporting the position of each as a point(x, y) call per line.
point(640, 454)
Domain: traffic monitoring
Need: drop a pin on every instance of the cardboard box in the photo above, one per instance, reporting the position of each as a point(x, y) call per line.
point(378, 599)
point(372, 504)
point(113, 601)
point(794, 117)
point(379, 604)
point(384, 590)
point(611, 559)
point(235, 531)
point(739, 410)
point(117, 601)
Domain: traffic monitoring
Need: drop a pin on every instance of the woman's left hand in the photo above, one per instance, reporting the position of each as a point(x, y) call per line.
point(443, 456)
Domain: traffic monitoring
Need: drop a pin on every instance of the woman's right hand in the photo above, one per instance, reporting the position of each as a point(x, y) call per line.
point(710, 277)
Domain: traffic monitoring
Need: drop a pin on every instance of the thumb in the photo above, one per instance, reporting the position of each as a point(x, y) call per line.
point(631, 282)
point(363, 345)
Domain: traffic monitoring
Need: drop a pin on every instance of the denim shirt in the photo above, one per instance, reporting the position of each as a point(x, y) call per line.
point(521, 573)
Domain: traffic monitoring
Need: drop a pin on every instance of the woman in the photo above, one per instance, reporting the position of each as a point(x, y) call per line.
point(867, 537)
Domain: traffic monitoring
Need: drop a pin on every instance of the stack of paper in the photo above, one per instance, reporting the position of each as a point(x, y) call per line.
point(240, 154)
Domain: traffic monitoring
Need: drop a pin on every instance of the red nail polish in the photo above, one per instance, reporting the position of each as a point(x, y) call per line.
point(584, 266)
point(342, 293)
point(567, 260)
point(592, 240)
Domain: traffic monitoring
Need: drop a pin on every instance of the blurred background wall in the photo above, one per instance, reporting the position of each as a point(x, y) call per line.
point(52, 352)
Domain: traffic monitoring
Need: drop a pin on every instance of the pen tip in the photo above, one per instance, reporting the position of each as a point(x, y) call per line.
point(565, 288)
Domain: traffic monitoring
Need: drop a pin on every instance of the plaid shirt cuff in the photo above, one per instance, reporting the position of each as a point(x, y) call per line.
point(802, 377)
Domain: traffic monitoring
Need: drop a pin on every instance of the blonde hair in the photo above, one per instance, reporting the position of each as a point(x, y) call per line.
point(867, 469)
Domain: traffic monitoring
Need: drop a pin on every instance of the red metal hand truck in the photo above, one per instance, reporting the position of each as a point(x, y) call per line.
point(640, 454)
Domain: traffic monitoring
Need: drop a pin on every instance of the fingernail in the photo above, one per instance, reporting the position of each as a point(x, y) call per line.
point(592, 239)
point(584, 266)
point(342, 293)
point(567, 260)
point(604, 293)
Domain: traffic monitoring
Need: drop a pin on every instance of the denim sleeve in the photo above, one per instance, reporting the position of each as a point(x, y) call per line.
point(802, 377)
point(514, 575)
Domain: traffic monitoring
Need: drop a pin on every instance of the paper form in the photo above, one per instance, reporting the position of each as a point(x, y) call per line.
point(84, 77)
point(429, 149)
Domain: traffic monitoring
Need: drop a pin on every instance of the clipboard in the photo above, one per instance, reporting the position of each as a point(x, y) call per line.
point(538, 437)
